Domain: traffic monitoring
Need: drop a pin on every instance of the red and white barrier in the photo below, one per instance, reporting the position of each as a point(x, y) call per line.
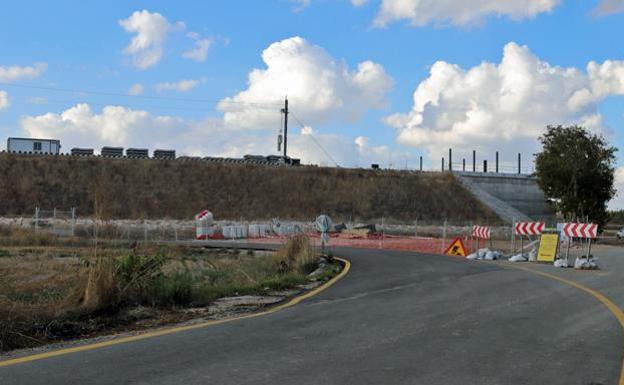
point(204, 225)
point(580, 230)
point(529, 228)
point(481, 232)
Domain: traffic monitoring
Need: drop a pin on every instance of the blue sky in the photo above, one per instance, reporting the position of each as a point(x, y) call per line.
point(84, 47)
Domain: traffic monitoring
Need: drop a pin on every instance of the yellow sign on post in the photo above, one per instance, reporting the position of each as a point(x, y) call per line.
point(548, 248)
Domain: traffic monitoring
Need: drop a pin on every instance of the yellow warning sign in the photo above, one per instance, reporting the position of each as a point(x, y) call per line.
point(456, 248)
point(548, 248)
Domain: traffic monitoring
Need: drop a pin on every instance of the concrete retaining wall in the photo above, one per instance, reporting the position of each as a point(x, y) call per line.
point(520, 192)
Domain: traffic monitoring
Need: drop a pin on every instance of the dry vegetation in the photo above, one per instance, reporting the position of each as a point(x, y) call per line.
point(124, 188)
point(59, 292)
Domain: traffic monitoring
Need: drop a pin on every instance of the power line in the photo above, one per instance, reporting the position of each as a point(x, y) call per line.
point(114, 104)
point(314, 139)
point(91, 92)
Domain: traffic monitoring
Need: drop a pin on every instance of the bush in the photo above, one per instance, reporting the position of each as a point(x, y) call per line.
point(297, 255)
point(176, 289)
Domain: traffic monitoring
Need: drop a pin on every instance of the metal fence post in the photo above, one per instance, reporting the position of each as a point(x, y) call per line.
point(450, 159)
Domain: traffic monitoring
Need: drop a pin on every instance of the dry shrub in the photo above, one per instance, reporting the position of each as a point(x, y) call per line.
point(101, 291)
point(297, 255)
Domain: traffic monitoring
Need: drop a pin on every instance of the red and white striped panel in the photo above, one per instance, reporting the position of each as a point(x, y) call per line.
point(202, 214)
point(529, 228)
point(481, 232)
point(580, 230)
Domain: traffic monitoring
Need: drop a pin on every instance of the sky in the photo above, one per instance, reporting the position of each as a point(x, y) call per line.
point(368, 81)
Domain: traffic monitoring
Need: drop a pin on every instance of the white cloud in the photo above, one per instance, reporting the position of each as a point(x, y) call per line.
point(136, 89)
point(358, 3)
point(180, 86)
point(4, 100)
point(609, 7)
point(300, 5)
point(319, 88)
point(617, 203)
point(466, 12)
point(113, 125)
point(200, 51)
point(503, 106)
point(17, 73)
point(151, 30)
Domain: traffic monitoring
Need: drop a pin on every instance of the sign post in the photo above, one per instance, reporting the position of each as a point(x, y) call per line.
point(323, 224)
point(528, 228)
point(587, 231)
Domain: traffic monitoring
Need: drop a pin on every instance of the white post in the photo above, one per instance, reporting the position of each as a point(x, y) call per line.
point(443, 237)
point(73, 221)
point(513, 236)
point(36, 218)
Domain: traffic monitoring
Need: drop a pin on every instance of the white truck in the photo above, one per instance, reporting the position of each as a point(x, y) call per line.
point(33, 145)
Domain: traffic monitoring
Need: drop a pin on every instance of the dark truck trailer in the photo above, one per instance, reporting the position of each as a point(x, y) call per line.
point(142, 153)
point(112, 152)
point(81, 151)
point(164, 154)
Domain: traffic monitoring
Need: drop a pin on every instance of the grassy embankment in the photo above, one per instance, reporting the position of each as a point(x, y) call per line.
point(150, 189)
point(56, 290)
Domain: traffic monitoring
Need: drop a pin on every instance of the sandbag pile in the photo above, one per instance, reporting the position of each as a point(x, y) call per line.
point(485, 254)
point(583, 263)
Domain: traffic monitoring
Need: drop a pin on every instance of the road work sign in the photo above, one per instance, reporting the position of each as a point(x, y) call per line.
point(456, 248)
point(548, 248)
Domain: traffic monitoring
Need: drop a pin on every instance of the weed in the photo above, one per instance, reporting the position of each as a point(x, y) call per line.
point(174, 290)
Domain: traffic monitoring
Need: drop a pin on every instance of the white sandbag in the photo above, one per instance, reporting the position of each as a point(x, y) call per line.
point(517, 258)
point(533, 255)
point(489, 256)
point(481, 253)
point(560, 263)
point(593, 263)
point(472, 256)
point(582, 263)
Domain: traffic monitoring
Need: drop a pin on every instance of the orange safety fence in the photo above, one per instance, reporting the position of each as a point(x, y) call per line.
point(390, 242)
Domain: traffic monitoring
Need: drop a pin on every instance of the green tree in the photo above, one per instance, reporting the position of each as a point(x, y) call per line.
point(576, 171)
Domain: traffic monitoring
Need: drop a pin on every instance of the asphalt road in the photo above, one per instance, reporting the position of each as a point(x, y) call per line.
point(396, 318)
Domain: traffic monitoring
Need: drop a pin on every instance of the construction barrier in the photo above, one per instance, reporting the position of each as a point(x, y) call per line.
point(580, 230)
point(481, 232)
point(529, 228)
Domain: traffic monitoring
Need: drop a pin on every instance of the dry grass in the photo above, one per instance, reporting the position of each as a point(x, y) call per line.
point(137, 189)
point(56, 293)
point(297, 255)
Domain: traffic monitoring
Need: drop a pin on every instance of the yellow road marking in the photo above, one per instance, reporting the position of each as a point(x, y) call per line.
point(613, 308)
point(162, 332)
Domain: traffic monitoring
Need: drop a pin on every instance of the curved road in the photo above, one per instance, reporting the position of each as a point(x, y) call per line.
point(396, 318)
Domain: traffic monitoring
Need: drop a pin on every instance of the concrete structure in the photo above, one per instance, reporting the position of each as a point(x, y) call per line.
point(33, 145)
point(511, 196)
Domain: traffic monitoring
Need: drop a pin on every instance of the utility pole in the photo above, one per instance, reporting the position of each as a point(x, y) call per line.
point(285, 112)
